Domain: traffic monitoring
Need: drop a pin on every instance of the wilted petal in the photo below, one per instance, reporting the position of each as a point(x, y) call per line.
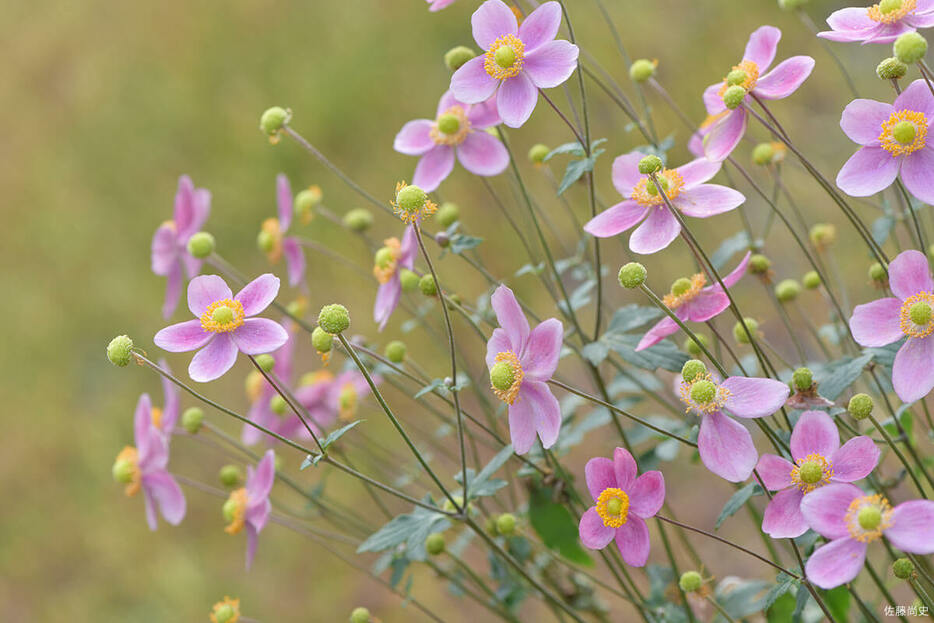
point(632, 539)
point(862, 120)
point(763, 43)
point(752, 397)
point(182, 337)
point(775, 471)
point(491, 21)
point(916, 173)
point(868, 171)
point(616, 219)
point(913, 374)
point(814, 433)
point(782, 518)
point(541, 354)
point(825, 509)
point(707, 200)
point(204, 290)
point(656, 232)
point(258, 294)
point(785, 78)
point(855, 459)
point(541, 26)
point(909, 273)
point(551, 64)
point(912, 527)
point(725, 135)
point(482, 154)
point(516, 99)
point(212, 361)
point(726, 447)
point(593, 533)
point(647, 494)
point(434, 167)
point(510, 317)
point(836, 563)
point(471, 83)
point(414, 139)
point(257, 336)
point(877, 323)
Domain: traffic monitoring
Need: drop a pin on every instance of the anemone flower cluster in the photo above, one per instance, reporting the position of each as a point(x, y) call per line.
point(272, 238)
point(249, 507)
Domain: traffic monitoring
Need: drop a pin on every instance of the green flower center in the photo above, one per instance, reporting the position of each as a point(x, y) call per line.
point(890, 6)
point(703, 392)
point(736, 77)
point(383, 258)
point(680, 286)
point(505, 56)
point(230, 508)
point(222, 315)
point(224, 613)
point(920, 313)
point(869, 517)
point(811, 472)
point(123, 471)
point(652, 189)
point(904, 132)
point(614, 506)
point(502, 376)
point(277, 404)
point(449, 123)
point(411, 199)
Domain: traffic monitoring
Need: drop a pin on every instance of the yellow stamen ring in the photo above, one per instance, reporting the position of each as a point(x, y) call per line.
point(271, 226)
point(887, 138)
point(509, 395)
point(858, 532)
point(673, 301)
point(238, 498)
point(826, 472)
point(613, 507)
point(131, 456)
point(208, 323)
point(427, 209)
point(497, 71)
point(877, 15)
point(384, 273)
point(440, 138)
point(643, 195)
point(234, 606)
point(908, 326)
point(714, 405)
point(752, 77)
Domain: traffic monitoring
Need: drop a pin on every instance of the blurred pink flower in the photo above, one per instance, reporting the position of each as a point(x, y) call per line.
point(879, 23)
point(276, 228)
point(248, 507)
point(390, 260)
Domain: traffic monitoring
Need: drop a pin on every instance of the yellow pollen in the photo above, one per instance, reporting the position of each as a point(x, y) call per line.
point(427, 209)
point(313, 378)
point(673, 301)
point(170, 224)
point(271, 226)
point(643, 195)
point(131, 456)
point(157, 417)
point(714, 405)
point(613, 507)
point(496, 70)
point(852, 517)
point(463, 128)
point(712, 119)
point(877, 14)
point(825, 475)
point(908, 326)
point(384, 273)
point(892, 145)
point(208, 323)
point(509, 395)
point(752, 77)
point(234, 605)
point(238, 499)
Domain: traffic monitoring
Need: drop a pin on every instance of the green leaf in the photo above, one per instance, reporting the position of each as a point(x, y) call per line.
point(836, 376)
point(574, 171)
point(726, 250)
point(313, 459)
point(463, 242)
point(741, 598)
point(838, 602)
point(784, 584)
point(553, 522)
point(632, 317)
point(736, 502)
point(781, 611)
point(663, 355)
point(574, 148)
point(411, 529)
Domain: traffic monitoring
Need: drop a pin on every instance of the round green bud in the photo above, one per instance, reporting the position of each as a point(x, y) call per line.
point(920, 313)
point(903, 569)
point(811, 472)
point(538, 152)
point(693, 347)
point(904, 132)
point(334, 318)
point(802, 379)
point(759, 264)
point(360, 615)
point(119, 351)
point(224, 613)
point(736, 77)
point(201, 245)
point(305, 201)
point(273, 119)
point(321, 340)
point(860, 406)
point(455, 58)
point(690, 581)
point(632, 275)
point(877, 272)
point(650, 164)
point(891, 69)
point(642, 70)
point(408, 280)
point(266, 362)
point(454, 300)
point(229, 509)
point(443, 240)
point(448, 214)
point(733, 97)
point(763, 153)
point(506, 524)
point(869, 517)
point(411, 198)
point(358, 220)
point(823, 234)
point(739, 334)
point(427, 285)
point(791, 5)
point(395, 351)
point(297, 308)
point(692, 369)
point(811, 280)
point(192, 419)
point(787, 290)
point(230, 476)
point(703, 392)
point(278, 405)
point(122, 471)
point(505, 56)
point(265, 241)
point(502, 376)
point(910, 47)
point(448, 123)
point(435, 543)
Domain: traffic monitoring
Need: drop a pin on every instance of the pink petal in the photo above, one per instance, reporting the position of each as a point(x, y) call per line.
point(259, 486)
point(184, 213)
point(551, 64)
point(251, 540)
point(510, 317)
point(868, 171)
point(616, 219)
point(173, 290)
point(659, 331)
point(912, 527)
point(212, 361)
point(855, 459)
point(414, 139)
point(482, 154)
point(593, 533)
point(170, 400)
point(166, 494)
point(626, 172)
point(437, 5)
point(164, 250)
point(763, 43)
point(516, 99)
point(706, 305)
point(862, 120)
point(916, 96)
point(192, 265)
point(713, 101)
point(491, 21)
point(656, 232)
point(434, 167)
point(201, 204)
point(647, 494)
point(600, 475)
point(725, 135)
point(916, 174)
point(283, 201)
point(632, 539)
point(698, 171)
point(913, 374)
point(624, 466)
point(909, 274)
point(204, 290)
point(257, 336)
point(483, 115)
point(142, 425)
point(782, 518)
point(387, 297)
point(775, 471)
point(707, 200)
point(521, 426)
point(409, 248)
point(785, 79)
point(540, 406)
point(541, 26)
point(541, 354)
point(836, 563)
point(877, 323)
point(920, 21)
point(295, 260)
point(471, 83)
point(182, 337)
point(825, 509)
point(258, 294)
point(854, 19)
point(737, 273)
point(498, 343)
point(814, 433)
point(753, 398)
point(726, 447)
point(696, 144)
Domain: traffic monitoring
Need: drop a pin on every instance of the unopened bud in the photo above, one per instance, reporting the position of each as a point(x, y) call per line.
point(201, 245)
point(455, 58)
point(334, 318)
point(119, 351)
point(642, 69)
point(192, 419)
point(448, 214)
point(632, 275)
point(910, 47)
point(860, 406)
point(358, 220)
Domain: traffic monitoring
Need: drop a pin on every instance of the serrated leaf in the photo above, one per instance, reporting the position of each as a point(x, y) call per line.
point(736, 502)
point(435, 384)
point(553, 522)
point(573, 148)
point(632, 317)
point(412, 529)
point(663, 355)
point(836, 376)
point(596, 352)
point(574, 171)
point(784, 583)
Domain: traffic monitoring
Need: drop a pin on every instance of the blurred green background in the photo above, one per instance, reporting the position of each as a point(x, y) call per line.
point(108, 103)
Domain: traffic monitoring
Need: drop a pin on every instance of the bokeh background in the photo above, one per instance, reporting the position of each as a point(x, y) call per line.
point(106, 104)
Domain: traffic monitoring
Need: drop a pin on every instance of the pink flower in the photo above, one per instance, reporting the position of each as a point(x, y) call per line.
point(164, 419)
point(456, 131)
point(751, 74)
point(725, 446)
point(818, 460)
point(907, 314)
point(437, 5)
point(343, 395)
point(519, 60)
point(170, 242)
point(144, 467)
point(685, 188)
point(622, 504)
point(223, 325)
point(894, 141)
point(853, 520)
point(276, 228)
point(389, 261)
point(521, 362)
point(880, 23)
point(248, 507)
point(692, 300)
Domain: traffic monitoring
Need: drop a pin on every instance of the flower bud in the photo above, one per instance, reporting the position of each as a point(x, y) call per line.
point(278, 405)
point(763, 153)
point(305, 202)
point(122, 471)
point(877, 273)
point(119, 351)
point(395, 351)
point(273, 120)
point(265, 362)
point(642, 70)
point(427, 285)
point(360, 615)
point(632, 275)
point(538, 152)
point(759, 264)
point(506, 524)
point(230, 476)
point(192, 419)
point(787, 290)
point(650, 164)
point(692, 369)
point(690, 581)
point(334, 318)
point(265, 241)
point(860, 406)
point(448, 214)
point(321, 340)
point(802, 379)
point(811, 280)
point(409, 280)
point(693, 347)
point(443, 240)
point(358, 220)
point(411, 198)
point(903, 569)
point(823, 235)
point(733, 97)
point(910, 47)
point(739, 334)
point(201, 245)
point(891, 69)
point(226, 611)
point(448, 505)
point(434, 544)
point(455, 58)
